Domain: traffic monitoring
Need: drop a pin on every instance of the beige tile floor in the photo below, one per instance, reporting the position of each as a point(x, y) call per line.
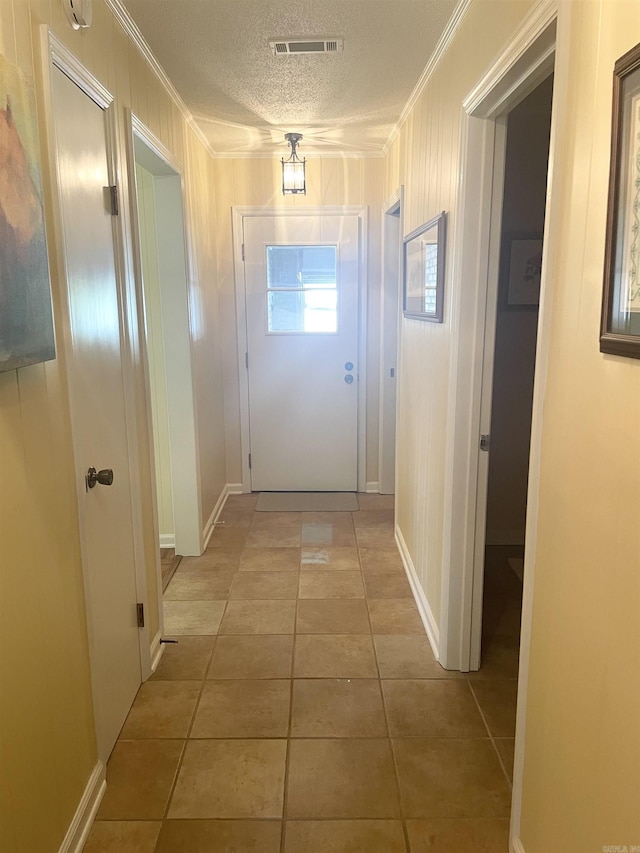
point(302, 710)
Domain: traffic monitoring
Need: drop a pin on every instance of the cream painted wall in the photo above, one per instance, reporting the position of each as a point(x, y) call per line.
point(258, 182)
point(425, 157)
point(155, 350)
point(47, 743)
point(581, 789)
point(581, 783)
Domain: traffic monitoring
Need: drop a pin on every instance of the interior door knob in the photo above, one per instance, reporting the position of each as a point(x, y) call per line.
point(104, 477)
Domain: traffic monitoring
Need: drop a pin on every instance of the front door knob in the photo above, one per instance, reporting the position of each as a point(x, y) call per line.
point(104, 477)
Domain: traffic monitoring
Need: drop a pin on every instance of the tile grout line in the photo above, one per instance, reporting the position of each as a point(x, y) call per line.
point(190, 727)
point(285, 791)
point(386, 715)
point(491, 737)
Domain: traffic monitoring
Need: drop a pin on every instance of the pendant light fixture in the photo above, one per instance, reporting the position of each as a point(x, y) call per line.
point(293, 169)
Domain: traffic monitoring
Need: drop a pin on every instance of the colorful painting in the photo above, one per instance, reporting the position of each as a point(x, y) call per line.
point(26, 321)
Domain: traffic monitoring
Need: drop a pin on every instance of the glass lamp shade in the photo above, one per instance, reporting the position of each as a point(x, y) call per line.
point(293, 177)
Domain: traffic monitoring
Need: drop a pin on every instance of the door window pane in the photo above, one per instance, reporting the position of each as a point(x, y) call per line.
point(302, 289)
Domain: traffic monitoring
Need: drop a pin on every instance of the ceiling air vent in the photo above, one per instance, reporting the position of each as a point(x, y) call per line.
point(288, 47)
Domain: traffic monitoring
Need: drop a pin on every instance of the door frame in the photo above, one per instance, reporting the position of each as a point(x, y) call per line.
point(238, 216)
point(54, 53)
point(390, 301)
point(526, 61)
point(187, 504)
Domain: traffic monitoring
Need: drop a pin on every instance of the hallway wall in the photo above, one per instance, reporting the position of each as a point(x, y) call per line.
point(582, 751)
point(330, 181)
point(581, 784)
point(425, 157)
point(47, 742)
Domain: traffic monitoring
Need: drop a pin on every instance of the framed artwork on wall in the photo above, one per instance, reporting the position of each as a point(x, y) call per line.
point(26, 321)
point(620, 318)
point(524, 267)
point(423, 262)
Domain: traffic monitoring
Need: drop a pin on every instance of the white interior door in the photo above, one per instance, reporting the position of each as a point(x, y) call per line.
point(301, 276)
point(97, 405)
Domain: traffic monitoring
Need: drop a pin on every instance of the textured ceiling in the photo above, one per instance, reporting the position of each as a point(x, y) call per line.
point(216, 52)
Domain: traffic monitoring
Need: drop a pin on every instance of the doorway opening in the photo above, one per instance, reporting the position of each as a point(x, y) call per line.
point(163, 273)
point(516, 326)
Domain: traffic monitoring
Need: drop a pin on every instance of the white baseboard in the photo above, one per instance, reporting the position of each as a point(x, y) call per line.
point(372, 488)
point(504, 537)
point(156, 651)
point(229, 489)
point(167, 540)
point(517, 846)
point(428, 619)
point(82, 822)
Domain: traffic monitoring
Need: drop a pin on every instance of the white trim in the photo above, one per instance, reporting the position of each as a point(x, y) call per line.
point(238, 214)
point(441, 48)
point(372, 488)
point(167, 540)
point(391, 286)
point(517, 846)
point(138, 128)
point(130, 29)
point(234, 489)
point(211, 522)
point(69, 64)
point(80, 826)
point(486, 329)
point(182, 415)
point(471, 264)
point(560, 118)
point(428, 619)
point(157, 650)
point(525, 62)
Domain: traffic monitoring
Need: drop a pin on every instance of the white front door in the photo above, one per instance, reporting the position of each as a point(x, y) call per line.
point(301, 276)
point(97, 405)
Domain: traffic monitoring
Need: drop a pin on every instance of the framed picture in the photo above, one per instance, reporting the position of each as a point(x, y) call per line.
point(424, 253)
point(524, 266)
point(620, 319)
point(26, 322)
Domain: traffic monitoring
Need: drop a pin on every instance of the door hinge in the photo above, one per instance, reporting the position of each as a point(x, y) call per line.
point(243, 251)
point(485, 441)
point(246, 360)
point(249, 460)
point(113, 195)
point(140, 612)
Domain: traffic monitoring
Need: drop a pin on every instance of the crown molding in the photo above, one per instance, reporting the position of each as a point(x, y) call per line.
point(441, 48)
point(130, 28)
point(539, 19)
